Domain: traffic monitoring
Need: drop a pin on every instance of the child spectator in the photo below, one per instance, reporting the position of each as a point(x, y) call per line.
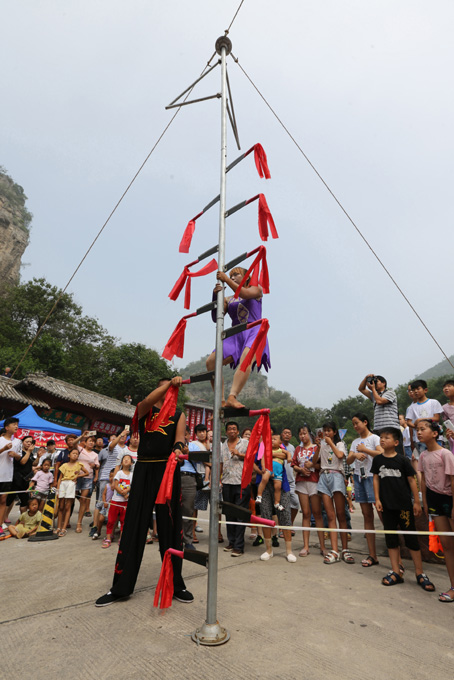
point(106, 497)
point(448, 410)
point(437, 484)
point(89, 458)
point(425, 408)
point(70, 472)
point(117, 510)
point(331, 485)
point(394, 485)
point(280, 455)
point(40, 483)
point(362, 452)
point(406, 436)
point(28, 522)
point(306, 481)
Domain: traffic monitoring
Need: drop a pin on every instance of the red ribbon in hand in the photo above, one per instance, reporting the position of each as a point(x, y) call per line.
point(257, 347)
point(164, 589)
point(258, 278)
point(186, 277)
point(165, 490)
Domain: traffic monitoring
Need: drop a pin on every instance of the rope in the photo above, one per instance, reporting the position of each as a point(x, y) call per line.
point(62, 292)
point(350, 219)
point(234, 17)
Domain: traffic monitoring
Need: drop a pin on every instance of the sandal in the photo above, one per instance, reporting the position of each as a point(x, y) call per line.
point(149, 539)
point(195, 540)
point(106, 543)
point(62, 533)
point(401, 569)
point(78, 528)
point(444, 597)
point(303, 553)
point(392, 579)
point(423, 581)
point(220, 539)
point(331, 557)
point(369, 562)
point(347, 557)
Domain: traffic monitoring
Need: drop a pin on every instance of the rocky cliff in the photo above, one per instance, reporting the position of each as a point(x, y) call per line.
point(14, 229)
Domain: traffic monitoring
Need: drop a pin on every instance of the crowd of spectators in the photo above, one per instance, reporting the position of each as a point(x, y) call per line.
point(398, 467)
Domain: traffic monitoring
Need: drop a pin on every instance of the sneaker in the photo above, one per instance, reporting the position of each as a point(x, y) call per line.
point(266, 556)
point(236, 553)
point(258, 541)
point(275, 542)
point(88, 514)
point(92, 532)
point(190, 546)
point(258, 499)
point(199, 529)
point(291, 557)
point(2, 533)
point(228, 548)
point(106, 599)
point(95, 535)
point(183, 596)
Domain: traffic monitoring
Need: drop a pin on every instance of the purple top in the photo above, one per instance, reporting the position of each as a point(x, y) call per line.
point(244, 311)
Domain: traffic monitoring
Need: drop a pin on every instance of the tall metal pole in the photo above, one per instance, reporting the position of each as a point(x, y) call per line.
point(211, 633)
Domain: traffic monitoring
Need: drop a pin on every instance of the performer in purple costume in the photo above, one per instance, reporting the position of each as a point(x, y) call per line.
point(247, 308)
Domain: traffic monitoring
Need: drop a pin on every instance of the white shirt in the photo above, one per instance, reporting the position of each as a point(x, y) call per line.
point(370, 443)
point(425, 410)
point(6, 461)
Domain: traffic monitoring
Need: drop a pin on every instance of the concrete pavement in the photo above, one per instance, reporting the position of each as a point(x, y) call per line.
point(286, 620)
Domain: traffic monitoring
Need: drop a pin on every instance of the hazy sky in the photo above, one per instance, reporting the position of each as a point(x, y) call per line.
point(365, 89)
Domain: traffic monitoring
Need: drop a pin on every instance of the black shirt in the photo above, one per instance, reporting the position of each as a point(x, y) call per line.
point(24, 471)
point(157, 445)
point(395, 493)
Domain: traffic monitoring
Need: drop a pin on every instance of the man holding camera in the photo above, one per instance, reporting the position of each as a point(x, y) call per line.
point(386, 413)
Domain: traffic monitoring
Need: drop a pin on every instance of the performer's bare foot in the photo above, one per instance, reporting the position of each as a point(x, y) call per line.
point(223, 403)
point(233, 402)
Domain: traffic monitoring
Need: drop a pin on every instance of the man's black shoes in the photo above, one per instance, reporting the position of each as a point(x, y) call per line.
point(182, 596)
point(108, 598)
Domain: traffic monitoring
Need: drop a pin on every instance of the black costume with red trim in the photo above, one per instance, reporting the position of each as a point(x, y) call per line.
point(154, 450)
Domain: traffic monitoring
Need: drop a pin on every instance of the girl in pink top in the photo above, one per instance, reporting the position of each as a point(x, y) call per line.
point(306, 487)
point(436, 466)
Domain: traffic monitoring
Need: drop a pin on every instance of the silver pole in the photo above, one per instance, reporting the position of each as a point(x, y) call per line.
point(211, 632)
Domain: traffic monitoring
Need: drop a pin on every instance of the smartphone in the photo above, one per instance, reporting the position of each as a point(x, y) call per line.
point(448, 425)
point(92, 433)
point(127, 428)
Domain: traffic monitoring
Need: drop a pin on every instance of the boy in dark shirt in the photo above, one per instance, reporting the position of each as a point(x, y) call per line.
point(394, 486)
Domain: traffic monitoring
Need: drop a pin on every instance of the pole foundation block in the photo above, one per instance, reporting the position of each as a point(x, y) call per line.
point(211, 635)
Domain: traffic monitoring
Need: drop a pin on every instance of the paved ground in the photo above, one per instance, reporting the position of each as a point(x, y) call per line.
point(304, 620)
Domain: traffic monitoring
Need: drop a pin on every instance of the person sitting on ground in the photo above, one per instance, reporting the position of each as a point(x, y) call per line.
point(106, 498)
point(69, 473)
point(394, 486)
point(40, 483)
point(362, 452)
point(117, 510)
point(29, 521)
point(436, 466)
point(280, 455)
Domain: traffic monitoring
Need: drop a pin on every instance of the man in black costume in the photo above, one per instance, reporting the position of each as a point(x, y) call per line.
point(154, 451)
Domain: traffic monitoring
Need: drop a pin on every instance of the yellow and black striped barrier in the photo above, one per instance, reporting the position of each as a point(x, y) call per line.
point(45, 530)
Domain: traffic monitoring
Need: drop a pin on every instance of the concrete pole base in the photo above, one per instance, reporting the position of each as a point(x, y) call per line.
point(211, 634)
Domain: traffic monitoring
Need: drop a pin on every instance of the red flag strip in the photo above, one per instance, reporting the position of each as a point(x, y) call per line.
point(257, 277)
point(257, 347)
point(164, 589)
point(185, 279)
point(165, 489)
point(175, 344)
point(262, 430)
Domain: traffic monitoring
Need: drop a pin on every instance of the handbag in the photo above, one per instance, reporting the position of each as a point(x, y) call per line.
point(198, 478)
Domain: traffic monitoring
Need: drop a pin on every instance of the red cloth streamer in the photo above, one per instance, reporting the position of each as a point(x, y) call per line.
point(165, 583)
point(261, 162)
point(186, 277)
point(175, 344)
point(265, 219)
point(185, 242)
point(434, 541)
point(165, 490)
point(257, 346)
point(257, 278)
point(261, 429)
point(167, 409)
point(135, 421)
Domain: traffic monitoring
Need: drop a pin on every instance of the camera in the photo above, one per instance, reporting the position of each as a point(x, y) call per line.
point(372, 379)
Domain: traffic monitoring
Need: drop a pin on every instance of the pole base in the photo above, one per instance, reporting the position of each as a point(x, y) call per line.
point(211, 634)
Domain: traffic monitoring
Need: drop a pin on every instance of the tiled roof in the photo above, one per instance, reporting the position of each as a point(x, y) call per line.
point(77, 395)
point(9, 390)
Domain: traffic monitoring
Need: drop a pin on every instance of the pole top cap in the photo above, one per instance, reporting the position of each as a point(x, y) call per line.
point(225, 42)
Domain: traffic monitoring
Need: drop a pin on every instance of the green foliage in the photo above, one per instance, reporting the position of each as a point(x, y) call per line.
point(71, 346)
point(14, 194)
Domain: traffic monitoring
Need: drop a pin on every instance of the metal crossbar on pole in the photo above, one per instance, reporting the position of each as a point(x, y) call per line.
point(211, 633)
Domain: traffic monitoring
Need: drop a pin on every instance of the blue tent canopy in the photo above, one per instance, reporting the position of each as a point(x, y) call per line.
point(30, 420)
